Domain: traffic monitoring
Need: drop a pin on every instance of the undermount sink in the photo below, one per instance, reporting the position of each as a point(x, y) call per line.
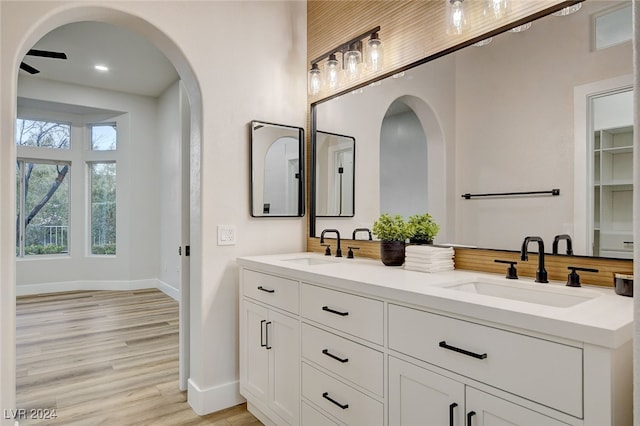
point(556, 297)
point(309, 260)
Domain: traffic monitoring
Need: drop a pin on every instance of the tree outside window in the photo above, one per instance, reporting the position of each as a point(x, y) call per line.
point(103, 208)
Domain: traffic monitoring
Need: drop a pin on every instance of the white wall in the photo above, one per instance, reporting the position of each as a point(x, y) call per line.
point(260, 73)
point(138, 239)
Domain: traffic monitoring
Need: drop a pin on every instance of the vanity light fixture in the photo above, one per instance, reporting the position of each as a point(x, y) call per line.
point(456, 17)
point(483, 42)
point(568, 10)
point(352, 66)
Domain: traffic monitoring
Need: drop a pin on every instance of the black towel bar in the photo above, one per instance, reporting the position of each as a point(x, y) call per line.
point(553, 192)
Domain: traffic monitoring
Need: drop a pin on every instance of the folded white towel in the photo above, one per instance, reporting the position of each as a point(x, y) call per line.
point(443, 262)
point(428, 258)
point(430, 269)
point(427, 249)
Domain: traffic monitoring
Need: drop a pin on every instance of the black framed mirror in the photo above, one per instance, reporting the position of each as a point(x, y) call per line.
point(277, 170)
point(334, 174)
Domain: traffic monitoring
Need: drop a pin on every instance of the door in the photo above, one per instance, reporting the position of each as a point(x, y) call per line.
point(421, 397)
point(255, 350)
point(487, 410)
point(184, 219)
point(284, 352)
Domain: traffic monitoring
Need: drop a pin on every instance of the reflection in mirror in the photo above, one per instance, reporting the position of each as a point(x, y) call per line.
point(277, 186)
point(497, 118)
point(403, 162)
point(335, 166)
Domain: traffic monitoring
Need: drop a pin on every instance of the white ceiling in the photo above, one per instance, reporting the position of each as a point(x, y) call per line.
point(135, 65)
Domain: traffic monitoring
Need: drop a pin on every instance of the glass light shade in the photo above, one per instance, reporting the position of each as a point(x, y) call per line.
point(314, 82)
point(374, 53)
point(521, 28)
point(496, 8)
point(456, 18)
point(352, 60)
point(483, 42)
point(568, 10)
point(332, 72)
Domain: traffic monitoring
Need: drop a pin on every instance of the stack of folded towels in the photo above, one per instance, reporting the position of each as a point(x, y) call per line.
point(429, 258)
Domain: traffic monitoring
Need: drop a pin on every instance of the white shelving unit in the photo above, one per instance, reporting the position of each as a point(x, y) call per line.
point(613, 192)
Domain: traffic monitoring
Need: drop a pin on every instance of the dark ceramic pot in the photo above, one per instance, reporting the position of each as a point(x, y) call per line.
point(392, 252)
point(421, 241)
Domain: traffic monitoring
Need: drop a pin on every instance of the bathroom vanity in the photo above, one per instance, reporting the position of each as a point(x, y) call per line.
point(327, 341)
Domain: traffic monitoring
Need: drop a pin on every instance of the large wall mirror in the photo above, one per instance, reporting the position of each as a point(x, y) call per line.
point(277, 170)
point(497, 118)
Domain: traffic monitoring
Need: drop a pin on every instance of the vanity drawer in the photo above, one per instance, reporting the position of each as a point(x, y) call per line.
point(357, 363)
point(546, 372)
point(280, 292)
point(355, 315)
point(312, 417)
point(340, 400)
point(616, 241)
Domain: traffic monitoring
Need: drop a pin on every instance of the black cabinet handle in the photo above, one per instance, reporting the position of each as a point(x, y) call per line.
point(443, 344)
point(333, 311)
point(470, 414)
point(267, 290)
point(330, 355)
point(266, 329)
point(262, 343)
point(326, 396)
point(451, 408)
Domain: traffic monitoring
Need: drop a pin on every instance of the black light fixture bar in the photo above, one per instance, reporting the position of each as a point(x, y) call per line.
point(344, 46)
point(553, 192)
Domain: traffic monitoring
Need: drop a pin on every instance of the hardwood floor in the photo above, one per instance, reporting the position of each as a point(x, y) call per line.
point(104, 358)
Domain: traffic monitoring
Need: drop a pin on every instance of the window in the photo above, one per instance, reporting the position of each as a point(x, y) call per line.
point(103, 137)
point(103, 207)
point(613, 27)
point(43, 208)
point(43, 134)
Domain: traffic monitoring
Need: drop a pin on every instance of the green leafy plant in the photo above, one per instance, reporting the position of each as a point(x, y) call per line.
point(391, 228)
point(423, 227)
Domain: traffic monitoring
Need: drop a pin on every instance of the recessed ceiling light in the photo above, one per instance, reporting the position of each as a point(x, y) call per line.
point(102, 68)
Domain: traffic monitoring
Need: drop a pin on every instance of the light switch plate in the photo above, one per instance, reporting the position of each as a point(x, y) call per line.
point(226, 235)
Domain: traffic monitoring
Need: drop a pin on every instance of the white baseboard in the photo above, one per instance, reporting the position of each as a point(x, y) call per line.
point(57, 287)
point(216, 398)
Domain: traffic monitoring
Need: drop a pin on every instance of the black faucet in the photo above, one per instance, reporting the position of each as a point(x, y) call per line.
point(338, 250)
point(355, 231)
point(557, 239)
point(541, 273)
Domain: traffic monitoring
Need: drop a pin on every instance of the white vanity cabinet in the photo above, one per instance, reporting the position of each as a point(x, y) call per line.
point(270, 347)
point(317, 349)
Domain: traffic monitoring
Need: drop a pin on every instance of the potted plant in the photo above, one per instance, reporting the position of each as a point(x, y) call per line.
point(422, 228)
point(393, 232)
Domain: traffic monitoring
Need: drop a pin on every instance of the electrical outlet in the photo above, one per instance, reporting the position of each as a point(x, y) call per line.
point(226, 235)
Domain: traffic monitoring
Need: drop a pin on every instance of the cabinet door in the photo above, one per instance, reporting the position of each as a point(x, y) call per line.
point(487, 410)
point(254, 374)
point(283, 339)
point(422, 397)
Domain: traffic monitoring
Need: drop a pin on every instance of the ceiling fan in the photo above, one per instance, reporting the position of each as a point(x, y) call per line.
point(43, 54)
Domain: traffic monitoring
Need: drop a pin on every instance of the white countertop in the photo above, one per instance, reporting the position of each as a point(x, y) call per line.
point(604, 319)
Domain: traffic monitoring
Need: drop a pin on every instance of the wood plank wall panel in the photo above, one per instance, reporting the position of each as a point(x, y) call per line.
point(411, 31)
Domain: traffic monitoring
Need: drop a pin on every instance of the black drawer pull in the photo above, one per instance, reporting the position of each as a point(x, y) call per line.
point(333, 311)
point(443, 344)
point(262, 343)
point(330, 355)
point(326, 396)
point(452, 406)
point(268, 290)
point(470, 414)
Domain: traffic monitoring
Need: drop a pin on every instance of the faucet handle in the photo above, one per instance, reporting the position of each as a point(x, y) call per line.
point(327, 252)
point(573, 279)
point(350, 252)
point(512, 272)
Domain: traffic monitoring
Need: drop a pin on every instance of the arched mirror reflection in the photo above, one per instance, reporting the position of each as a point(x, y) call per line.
point(277, 187)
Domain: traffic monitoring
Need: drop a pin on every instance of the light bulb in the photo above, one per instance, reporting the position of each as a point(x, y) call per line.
point(352, 60)
point(483, 42)
point(332, 71)
point(374, 53)
point(521, 28)
point(315, 80)
point(497, 8)
point(456, 19)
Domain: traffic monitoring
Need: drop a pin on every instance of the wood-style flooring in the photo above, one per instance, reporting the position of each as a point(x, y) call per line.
point(104, 358)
